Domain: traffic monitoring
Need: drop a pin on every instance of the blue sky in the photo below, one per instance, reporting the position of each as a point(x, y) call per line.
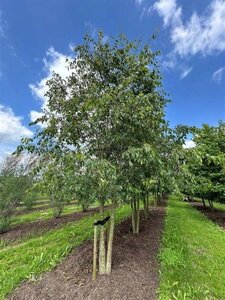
point(36, 36)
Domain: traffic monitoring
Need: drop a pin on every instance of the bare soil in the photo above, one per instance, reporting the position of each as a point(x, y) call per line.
point(134, 275)
point(19, 231)
point(216, 215)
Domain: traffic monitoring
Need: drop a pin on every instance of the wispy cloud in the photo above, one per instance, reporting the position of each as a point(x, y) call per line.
point(185, 72)
point(139, 2)
point(168, 10)
point(202, 34)
point(3, 24)
point(218, 74)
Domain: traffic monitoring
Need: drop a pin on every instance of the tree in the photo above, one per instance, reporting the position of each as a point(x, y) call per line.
point(139, 167)
point(53, 183)
point(204, 167)
point(210, 145)
point(15, 179)
point(113, 101)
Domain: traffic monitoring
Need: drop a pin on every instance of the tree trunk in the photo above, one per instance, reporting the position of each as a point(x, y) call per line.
point(95, 253)
point(84, 208)
point(148, 202)
point(211, 204)
point(155, 199)
point(203, 201)
point(138, 217)
point(135, 215)
point(102, 251)
point(102, 246)
point(146, 206)
point(110, 240)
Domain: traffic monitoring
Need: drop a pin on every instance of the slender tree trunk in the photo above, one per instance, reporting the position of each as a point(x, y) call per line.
point(148, 201)
point(133, 216)
point(102, 246)
point(211, 204)
point(95, 252)
point(155, 199)
point(138, 217)
point(110, 240)
point(146, 207)
point(84, 208)
point(203, 201)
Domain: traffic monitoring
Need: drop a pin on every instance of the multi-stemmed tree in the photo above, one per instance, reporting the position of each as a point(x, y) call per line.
point(112, 104)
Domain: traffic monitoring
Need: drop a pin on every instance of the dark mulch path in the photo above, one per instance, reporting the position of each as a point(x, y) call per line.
point(217, 215)
point(134, 274)
point(21, 230)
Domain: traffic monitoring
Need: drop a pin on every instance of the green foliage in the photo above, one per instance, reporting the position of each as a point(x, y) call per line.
point(112, 104)
point(54, 184)
point(29, 199)
point(204, 168)
point(192, 255)
point(13, 185)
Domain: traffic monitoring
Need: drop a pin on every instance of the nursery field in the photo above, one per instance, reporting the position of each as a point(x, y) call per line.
point(178, 254)
point(92, 198)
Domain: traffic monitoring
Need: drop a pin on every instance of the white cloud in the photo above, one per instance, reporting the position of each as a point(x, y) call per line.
point(189, 144)
point(204, 34)
point(11, 130)
point(53, 62)
point(168, 10)
point(185, 72)
point(218, 74)
point(11, 127)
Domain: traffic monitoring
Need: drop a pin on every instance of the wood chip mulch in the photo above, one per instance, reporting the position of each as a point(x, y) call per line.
point(31, 228)
point(135, 270)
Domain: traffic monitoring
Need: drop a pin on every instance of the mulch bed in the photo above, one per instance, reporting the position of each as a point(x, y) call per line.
point(19, 231)
point(217, 216)
point(134, 274)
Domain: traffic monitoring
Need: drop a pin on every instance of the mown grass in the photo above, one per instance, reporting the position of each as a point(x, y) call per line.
point(192, 255)
point(217, 205)
point(36, 255)
point(44, 214)
point(39, 205)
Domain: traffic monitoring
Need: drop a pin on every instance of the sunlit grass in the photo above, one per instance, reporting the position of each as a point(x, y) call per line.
point(192, 255)
point(44, 214)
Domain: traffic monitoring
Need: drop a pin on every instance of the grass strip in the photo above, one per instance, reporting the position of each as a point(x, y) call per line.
point(45, 214)
point(29, 259)
point(192, 255)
